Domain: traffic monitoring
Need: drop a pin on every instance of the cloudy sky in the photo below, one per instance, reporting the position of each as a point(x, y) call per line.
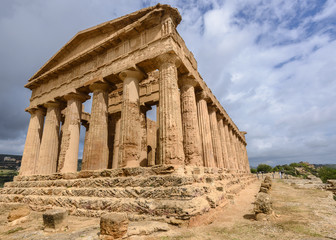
point(271, 64)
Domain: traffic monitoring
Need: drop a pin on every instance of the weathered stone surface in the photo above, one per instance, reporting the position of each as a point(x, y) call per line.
point(170, 131)
point(55, 219)
point(191, 135)
point(97, 153)
point(68, 156)
point(113, 225)
point(146, 228)
point(130, 139)
point(17, 213)
point(263, 203)
point(47, 161)
point(205, 130)
point(32, 146)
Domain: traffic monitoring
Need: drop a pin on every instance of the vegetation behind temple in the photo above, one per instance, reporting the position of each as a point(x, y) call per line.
point(301, 169)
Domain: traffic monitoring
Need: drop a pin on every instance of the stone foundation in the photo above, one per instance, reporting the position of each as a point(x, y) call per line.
point(162, 193)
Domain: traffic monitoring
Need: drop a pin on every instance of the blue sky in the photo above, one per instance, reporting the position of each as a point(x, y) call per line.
point(270, 63)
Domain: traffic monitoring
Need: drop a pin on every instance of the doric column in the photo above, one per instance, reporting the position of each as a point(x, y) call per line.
point(243, 143)
point(143, 133)
point(87, 127)
point(68, 157)
point(235, 150)
point(171, 137)
point(33, 140)
point(216, 143)
point(97, 152)
point(248, 170)
point(130, 139)
point(191, 134)
point(229, 145)
point(116, 140)
point(205, 130)
point(47, 163)
point(240, 167)
point(157, 157)
point(223, 142)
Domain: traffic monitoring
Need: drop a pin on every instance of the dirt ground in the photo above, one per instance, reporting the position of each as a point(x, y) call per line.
point(299, 214)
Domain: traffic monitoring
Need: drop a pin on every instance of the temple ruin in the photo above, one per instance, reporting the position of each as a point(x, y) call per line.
point(191, 159)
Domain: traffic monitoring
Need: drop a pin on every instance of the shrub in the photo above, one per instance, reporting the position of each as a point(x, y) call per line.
point(327, 173)
point(264, 168)
point(253, 170)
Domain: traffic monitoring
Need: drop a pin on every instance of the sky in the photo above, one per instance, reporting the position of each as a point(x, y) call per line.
point(271, 64)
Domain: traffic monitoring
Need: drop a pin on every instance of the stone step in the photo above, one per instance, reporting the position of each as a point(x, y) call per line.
point(151, 181)
point(152, 207)
point(129, 172)
point(132, 181)
point(179, 193)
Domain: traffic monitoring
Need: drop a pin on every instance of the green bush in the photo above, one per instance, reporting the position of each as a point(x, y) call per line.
point(253, 170)
point(326, 173)
point(264, 168)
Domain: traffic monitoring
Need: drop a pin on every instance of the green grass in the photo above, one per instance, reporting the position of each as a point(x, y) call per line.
point(7, 176)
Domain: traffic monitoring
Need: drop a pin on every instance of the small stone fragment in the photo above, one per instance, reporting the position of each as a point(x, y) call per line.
point(55, 219)
point(113, 225)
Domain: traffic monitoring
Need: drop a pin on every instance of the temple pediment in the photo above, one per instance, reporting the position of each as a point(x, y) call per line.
point(95, 38)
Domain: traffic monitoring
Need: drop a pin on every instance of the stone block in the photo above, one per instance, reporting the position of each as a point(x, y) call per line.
point(113, 225)
point(55, 219)
point(263, 204)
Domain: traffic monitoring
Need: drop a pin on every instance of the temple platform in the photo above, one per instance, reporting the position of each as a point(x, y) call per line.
point(162, 193)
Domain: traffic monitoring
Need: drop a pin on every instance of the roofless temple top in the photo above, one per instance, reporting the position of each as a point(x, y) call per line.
point(129, 65)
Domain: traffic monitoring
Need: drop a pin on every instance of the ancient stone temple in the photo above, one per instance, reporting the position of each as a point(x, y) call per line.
point(191, 159)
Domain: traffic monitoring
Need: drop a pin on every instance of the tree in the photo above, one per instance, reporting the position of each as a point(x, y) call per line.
point(264, 168)
point(253, 170)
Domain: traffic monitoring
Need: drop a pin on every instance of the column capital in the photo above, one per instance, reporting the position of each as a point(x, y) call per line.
point(212, 108)
point(100, 86)
point(202, 95)
point(169, 58)
point(137, 74)
point(77, 96)
point(52, 104)
point(36, 110)
point(187, 80)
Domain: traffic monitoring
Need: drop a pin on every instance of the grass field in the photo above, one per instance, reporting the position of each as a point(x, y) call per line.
point(7, 176)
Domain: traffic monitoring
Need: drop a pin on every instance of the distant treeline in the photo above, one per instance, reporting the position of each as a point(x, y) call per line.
point(301, 169)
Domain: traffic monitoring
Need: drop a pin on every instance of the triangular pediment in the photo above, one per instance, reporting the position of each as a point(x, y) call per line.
point(90, 37)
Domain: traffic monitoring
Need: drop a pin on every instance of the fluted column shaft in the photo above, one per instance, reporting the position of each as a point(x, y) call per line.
point(191, 134)
point(248, 170)
point(228, 146)
point(170, 129)
point(97, 151)
point(238, 152)
point(216, 144)
point(116, 141)
point(130, 139)
point(68, 157)
point(143, 133)
point(205, 130)
point(87, 127)
point(235, 150)
point(223, 143)
point(47, 163)
point(32, 145)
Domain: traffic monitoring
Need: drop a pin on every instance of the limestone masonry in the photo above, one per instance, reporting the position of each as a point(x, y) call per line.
point(191, 159)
